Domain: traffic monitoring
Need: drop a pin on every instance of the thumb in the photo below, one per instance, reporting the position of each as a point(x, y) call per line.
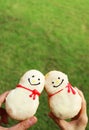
point(3, 97)
point(63, 124)
point(25, 124)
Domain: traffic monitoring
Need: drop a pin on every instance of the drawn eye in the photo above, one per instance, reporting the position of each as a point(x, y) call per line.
point(38, 79)
point(52, 82)
point(58, 77)
point(33, 76)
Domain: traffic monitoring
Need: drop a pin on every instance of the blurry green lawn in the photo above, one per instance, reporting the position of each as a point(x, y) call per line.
point(44, 35)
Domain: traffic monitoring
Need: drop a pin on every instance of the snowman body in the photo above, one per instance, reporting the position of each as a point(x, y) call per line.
point(23, 101)
point(22, 105)
point(67, 106)
point(64, 100)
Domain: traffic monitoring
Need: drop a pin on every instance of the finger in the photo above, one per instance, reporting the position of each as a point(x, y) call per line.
point(83, 108)
point(82, 116)
point(83, 112)
point(61, 123)
point(3, 97)
point(25, 124)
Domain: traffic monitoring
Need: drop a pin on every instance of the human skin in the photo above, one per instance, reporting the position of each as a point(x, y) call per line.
point(77, 123)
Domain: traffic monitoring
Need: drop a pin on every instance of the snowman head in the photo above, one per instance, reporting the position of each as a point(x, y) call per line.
point(33, 79)
point(55, 81)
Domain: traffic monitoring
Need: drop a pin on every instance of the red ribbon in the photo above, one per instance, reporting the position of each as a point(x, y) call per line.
point(50, 95)
point(70, 89)
point(33, 94)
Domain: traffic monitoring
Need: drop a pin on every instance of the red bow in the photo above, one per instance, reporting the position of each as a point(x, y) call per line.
point(70, 89)
point(33, 94)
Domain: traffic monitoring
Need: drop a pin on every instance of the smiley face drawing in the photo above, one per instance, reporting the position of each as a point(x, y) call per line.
point(55, 81)
point(58, 82)
point(33, 79)
point(23, 101)
point(33, 82)
point(64, 100)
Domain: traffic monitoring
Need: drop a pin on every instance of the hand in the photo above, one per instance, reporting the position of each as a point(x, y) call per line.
point(24, 125)
point(77, 123)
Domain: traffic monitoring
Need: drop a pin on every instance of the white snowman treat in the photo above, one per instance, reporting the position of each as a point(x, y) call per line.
point(23, 101)
point(64, 100)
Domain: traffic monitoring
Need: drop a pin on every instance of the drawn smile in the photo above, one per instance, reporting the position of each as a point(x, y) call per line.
point(31, 83)
point(59, 84)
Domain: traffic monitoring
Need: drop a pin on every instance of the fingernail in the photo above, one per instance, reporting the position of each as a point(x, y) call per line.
point(32, 120)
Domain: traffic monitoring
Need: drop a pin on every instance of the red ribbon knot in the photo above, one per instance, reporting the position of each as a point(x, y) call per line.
point(70, 89)
point(33, 94)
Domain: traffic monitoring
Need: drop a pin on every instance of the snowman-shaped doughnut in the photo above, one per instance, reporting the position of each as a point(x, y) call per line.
point(64, 100)
point(23, 101)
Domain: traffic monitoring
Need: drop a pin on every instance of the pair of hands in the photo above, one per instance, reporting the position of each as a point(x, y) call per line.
point(77, 123)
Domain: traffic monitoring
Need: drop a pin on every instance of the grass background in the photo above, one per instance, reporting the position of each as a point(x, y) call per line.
point(44, 35)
